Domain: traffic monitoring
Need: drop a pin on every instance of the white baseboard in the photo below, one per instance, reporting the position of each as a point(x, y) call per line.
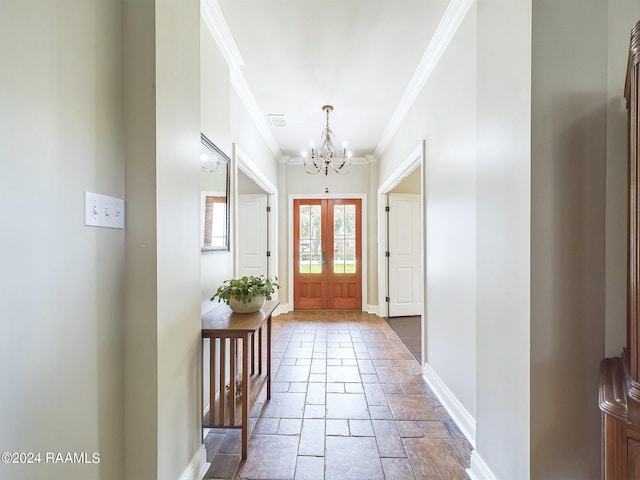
point(466, 423)
point(286, 308)
point(197, 467)
point(282, 308)
point(478, 469)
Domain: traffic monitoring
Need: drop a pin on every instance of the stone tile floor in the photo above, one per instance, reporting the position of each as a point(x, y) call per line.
point(348, 402)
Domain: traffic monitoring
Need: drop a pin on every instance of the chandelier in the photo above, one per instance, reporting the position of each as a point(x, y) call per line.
point(327, 156)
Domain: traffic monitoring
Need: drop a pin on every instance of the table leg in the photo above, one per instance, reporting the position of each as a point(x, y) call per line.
point(222, 380)
point(233, 362)
point(260, 350)
point(202, 382)
point(268, 357)
point(212, 381)
point(253, 353)
point(245, 395)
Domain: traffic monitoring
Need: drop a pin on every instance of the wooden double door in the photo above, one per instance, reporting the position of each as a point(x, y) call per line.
point(327, 254)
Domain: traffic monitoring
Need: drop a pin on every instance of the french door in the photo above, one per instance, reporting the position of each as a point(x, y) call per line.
point(327, 254)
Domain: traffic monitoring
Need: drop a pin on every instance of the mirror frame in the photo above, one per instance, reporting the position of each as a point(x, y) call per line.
point(215, 151)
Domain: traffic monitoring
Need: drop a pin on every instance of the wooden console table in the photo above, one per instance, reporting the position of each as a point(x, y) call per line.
point(241, 334)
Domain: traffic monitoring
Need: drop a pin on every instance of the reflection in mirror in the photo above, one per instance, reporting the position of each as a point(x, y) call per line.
point(214, 198)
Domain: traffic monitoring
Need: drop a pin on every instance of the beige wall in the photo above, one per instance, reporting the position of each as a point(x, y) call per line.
point(410, 184)
point(140, 314)
point(162, 315)
point(248, 140)
point(215, 115)
point(61, 283)
point(474, 113)
point(215, 86)
point(227, 123)
point(503, 72)
point(246, 186)
point(178, 227)
point(444, 114)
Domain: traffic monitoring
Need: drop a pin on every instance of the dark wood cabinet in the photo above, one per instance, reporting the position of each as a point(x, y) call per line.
point(620, 376)
point(633, 456)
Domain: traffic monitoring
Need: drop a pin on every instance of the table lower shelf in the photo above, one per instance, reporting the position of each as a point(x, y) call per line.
point(228, 413)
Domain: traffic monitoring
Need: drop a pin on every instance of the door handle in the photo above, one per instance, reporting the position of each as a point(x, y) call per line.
point(323, 258)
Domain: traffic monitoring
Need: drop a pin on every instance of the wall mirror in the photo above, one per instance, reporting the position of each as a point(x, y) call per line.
point(214, 197)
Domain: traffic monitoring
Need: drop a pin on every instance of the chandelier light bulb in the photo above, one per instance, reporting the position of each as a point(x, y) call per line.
point(304, 153)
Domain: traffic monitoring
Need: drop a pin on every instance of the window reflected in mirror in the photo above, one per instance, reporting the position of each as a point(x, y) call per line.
point(214, 199)
point(215, 210)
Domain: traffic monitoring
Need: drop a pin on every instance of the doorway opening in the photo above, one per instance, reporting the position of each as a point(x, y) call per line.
point(254, 217)
point(401, 260)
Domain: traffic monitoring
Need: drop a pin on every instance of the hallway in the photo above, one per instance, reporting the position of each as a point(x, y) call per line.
point(348, 402)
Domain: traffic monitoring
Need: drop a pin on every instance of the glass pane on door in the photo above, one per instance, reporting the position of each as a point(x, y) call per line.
point(344, 239)
point(310, 242)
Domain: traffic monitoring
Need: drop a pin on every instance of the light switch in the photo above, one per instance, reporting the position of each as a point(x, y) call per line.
point(103, 211)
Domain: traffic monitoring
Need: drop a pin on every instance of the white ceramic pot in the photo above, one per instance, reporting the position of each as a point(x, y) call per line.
point(253, 306)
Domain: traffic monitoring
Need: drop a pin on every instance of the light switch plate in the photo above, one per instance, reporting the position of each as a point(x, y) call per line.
point(103, 211)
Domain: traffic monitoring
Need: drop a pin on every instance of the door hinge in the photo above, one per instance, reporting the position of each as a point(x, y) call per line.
point(387, 253)
point(387, 208)
point(387, 299)
point(268, 253)
point(268, 209)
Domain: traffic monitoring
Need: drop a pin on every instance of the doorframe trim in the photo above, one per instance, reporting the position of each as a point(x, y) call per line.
point(365, 239)
point(415, 159)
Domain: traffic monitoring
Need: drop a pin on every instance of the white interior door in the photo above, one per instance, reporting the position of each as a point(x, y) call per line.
point(252, 234)
point(405, 256)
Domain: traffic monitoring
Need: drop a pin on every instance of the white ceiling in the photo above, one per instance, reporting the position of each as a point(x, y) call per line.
point(357, 55)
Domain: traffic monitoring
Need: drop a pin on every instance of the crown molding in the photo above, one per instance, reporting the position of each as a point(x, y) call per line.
point(212, 15)
point(453, 16)
point(214, 19)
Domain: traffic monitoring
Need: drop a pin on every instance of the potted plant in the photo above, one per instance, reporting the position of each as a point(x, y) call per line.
point(246, 294)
